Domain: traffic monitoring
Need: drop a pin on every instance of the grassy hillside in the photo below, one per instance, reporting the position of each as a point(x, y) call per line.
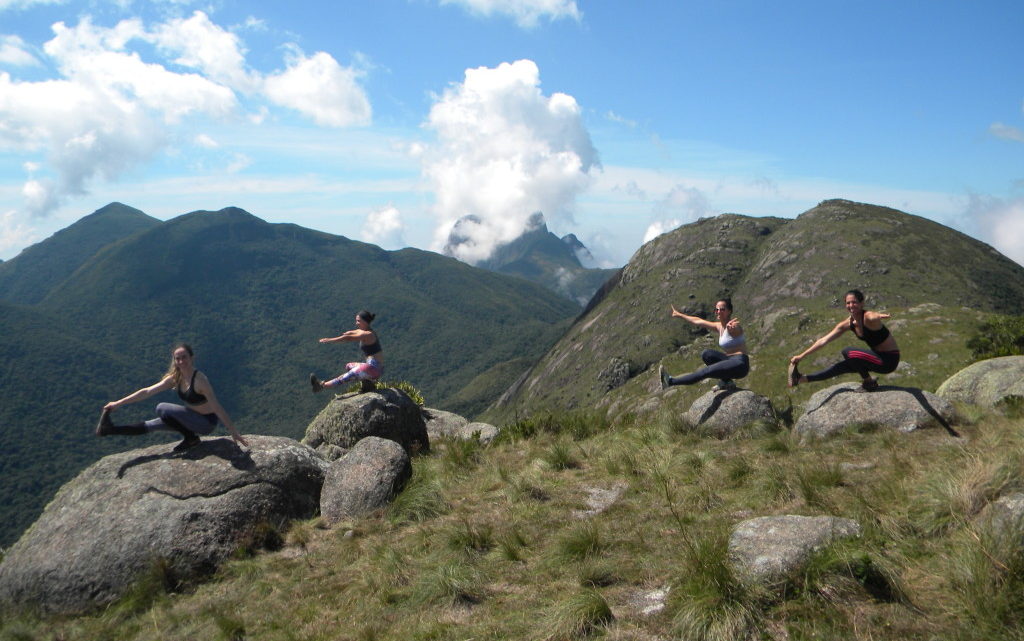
point(252, 298)
point(496, 543)
point(29, 276)
point(786, 279)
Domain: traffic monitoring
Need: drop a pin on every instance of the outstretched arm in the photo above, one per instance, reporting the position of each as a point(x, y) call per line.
point(203, 387)
point(696, 320)
point(350, 335)
point(821, 342)
point(165, 383)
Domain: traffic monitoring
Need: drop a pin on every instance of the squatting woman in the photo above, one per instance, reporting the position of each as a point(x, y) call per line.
point(199, 415)
point(881, 355)
point(727, 365)
point(368, 371)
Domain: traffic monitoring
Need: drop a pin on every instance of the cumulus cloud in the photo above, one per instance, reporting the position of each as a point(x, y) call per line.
point(14, 233)
point(1006, 132)
point(526, 13)
point(110, 110)
point(1001, 223)
point(384, 227)
point(504, 151)
point(680, 205)
point(14, 52)
point(322, 89)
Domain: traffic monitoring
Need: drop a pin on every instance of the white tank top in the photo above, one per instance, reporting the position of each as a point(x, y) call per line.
point(729, 342)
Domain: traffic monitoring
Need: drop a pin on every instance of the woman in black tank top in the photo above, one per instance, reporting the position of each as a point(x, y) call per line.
point(366, 372)
point(199, 415)
point(881, 356)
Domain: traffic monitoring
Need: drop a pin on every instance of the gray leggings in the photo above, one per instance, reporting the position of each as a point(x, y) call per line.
point(171, 414)
point(719, 365)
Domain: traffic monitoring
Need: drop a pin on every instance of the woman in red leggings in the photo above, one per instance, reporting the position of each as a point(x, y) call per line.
point(881, 355)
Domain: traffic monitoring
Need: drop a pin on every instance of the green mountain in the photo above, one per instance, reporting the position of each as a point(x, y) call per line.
point(786, 279)
point(252, 298)
point(542, 257)
point(29, 276)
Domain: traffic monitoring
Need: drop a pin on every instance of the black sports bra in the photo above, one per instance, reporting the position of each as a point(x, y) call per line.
point(192, 397)
point(873, 337)
point(372, 348)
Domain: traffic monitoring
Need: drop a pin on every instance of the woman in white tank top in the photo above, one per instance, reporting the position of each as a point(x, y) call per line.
point(727, 365)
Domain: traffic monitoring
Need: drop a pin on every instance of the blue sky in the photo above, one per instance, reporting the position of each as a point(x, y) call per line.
point(388, 121)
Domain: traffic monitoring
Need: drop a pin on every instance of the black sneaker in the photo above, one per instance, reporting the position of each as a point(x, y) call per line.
point(187, 443)
point(663, 375)
point(367, 386)
point(869, 385)
point(315, 383)
point(104, 427)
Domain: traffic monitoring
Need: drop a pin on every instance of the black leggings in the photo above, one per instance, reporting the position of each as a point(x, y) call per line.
point(860, 361)
point(719, 365)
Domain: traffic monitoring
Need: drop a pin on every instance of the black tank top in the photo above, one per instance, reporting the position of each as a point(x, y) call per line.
point(192, 397)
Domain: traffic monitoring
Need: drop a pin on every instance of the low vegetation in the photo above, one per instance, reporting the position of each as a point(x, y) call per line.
point(505, 542)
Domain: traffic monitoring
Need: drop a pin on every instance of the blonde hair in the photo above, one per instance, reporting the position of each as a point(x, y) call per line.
point(173, 370)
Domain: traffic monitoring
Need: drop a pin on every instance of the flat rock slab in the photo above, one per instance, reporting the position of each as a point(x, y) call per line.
point(107, 526)
point(903, 409)
point(768, 550)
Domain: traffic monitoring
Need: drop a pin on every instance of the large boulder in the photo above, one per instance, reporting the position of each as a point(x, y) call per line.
point(769, 550)
point(442, 424)
point(364, 480)
point(189, 511)
point(722, 413)
point(387, 413)
point(989, 383)
point(843, 406)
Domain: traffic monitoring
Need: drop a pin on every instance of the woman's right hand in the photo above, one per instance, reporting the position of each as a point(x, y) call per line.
point(111, 406)
point(795, 359)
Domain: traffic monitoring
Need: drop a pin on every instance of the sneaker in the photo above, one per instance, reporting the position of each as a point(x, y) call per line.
point(367, 386)
point(104, 427)
point(315, 383)
point(663, 375)
point(794, 376)
point(187, 443)
point(869, 385)
point(725, 386)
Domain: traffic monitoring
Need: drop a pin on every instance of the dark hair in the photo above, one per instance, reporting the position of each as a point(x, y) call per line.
point(366, 316)
point(727, 301)
point(173, 371)
point(859, 295)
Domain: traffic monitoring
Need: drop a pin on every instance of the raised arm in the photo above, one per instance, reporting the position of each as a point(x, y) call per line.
point(696, 320)
point(204, 387)
point(836, 332)
point(165, 383)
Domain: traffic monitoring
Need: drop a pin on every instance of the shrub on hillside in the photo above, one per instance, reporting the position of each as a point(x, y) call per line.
point(998, 336)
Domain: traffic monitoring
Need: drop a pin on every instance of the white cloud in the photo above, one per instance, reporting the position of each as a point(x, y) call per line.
point(526, 13)
point(205, 141)
point(1006, 132)
point(24, 4)
point(504, 151)
point(14, 52)
point(202, 45)
point(14, 234)
point(385, 227)
point(108, 110)
point(321, 89)
point(1001, 223)
point(680, 205)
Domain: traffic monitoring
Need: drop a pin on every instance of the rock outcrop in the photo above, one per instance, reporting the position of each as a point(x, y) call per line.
point(190, 511)
point(364, 480)
point(442, 424)
point(723, 413)
point(989, 383)
point(843, 406)
point(387, 413)
point(768, 550)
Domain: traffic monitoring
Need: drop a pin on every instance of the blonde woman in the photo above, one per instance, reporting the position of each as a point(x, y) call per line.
point(199, 415)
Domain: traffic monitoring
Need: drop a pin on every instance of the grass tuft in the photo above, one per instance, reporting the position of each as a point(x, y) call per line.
point(581, 614)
